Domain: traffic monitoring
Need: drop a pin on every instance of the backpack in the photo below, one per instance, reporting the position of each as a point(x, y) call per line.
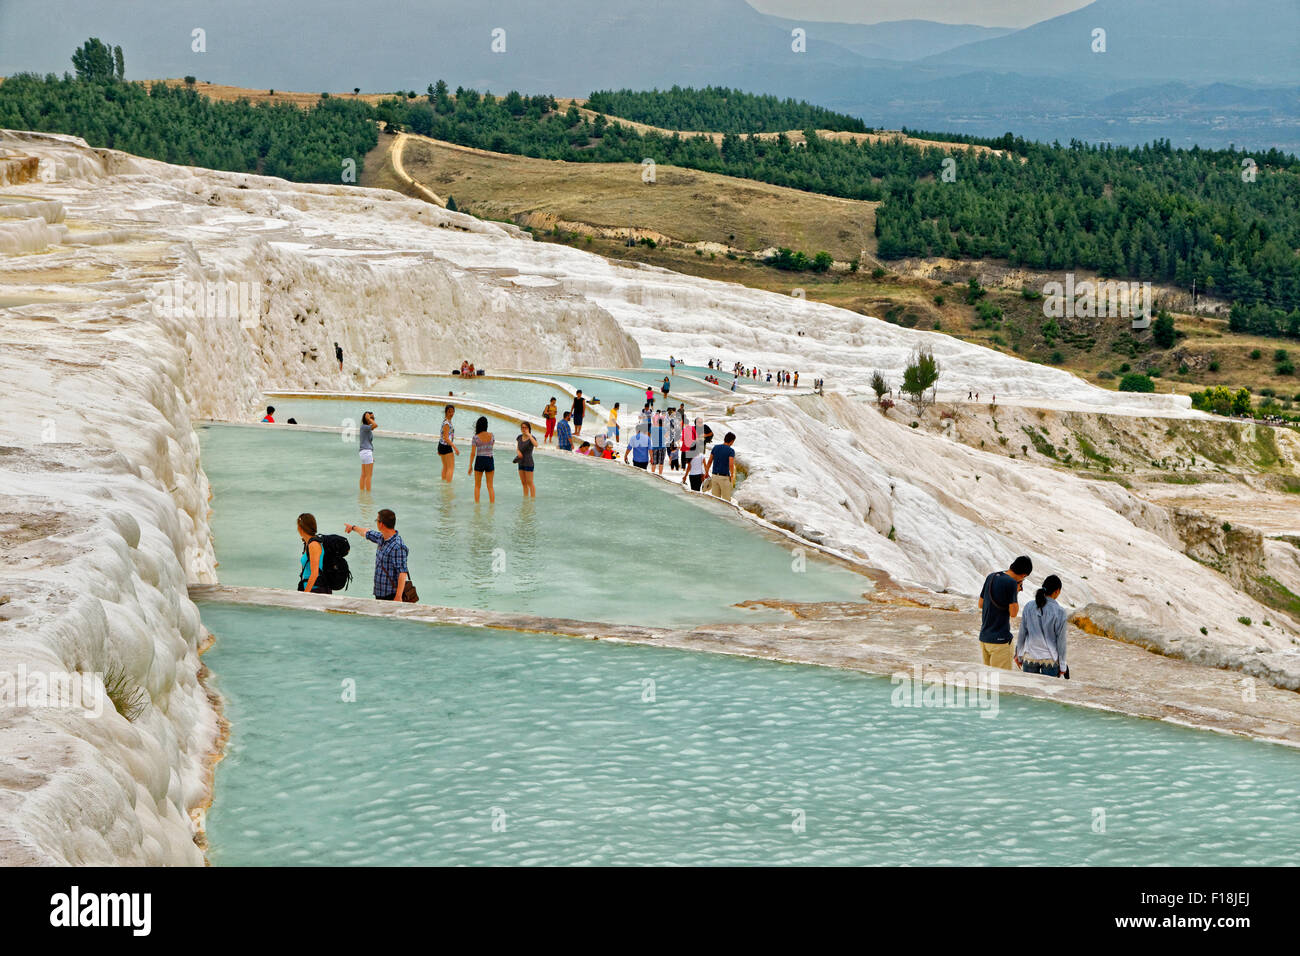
point(333, 561)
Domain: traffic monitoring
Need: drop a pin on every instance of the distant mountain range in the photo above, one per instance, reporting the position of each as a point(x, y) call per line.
point(1195, 71)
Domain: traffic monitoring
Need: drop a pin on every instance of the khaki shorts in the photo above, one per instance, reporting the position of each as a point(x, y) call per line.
point(996, 655)
point(720, 486)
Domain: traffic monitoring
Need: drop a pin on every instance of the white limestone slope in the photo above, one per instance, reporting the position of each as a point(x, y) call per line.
point(103, 503)
point(107, 353)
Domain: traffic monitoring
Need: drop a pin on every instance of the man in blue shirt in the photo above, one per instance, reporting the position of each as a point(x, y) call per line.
point(564, 434)
point(658, 442)
point(638, 446)
point(722, 469)
point(391, 573)
point(999, 603)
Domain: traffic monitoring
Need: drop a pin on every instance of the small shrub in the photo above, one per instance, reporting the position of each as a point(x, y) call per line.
point(1255, 355)
point(1244, 620)
point(1136, 382)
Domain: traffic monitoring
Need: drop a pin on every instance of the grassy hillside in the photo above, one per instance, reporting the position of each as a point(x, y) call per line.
point(604, 199)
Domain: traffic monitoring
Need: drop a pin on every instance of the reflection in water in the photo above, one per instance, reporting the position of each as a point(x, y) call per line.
point(485, 564)
point(365, 515)
point(522, 558)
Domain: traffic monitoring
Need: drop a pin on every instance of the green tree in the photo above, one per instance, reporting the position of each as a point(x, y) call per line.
point(1136, 382)
point(93, 61)
point(119, 62)
point(879, 385)
point(919, 379)
point(1162, 330)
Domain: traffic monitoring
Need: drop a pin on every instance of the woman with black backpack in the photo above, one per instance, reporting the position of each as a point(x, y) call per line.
point(311, 578)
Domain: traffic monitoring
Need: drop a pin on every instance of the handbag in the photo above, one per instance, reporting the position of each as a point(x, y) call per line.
point(409, 594)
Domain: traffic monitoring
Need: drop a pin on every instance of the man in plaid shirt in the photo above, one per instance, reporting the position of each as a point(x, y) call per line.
point(390, 557)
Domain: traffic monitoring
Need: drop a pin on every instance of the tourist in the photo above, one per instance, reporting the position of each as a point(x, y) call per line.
point(672, 365)
point(338, 354)
point(585, 449)
point(1040, 646)
point(482, 462)
point(525, 443)
point(664, 387)
point(722, 469)
point(579, 409)
point(638, 448)
point(270, 414)
point(674, 442)
point(367, 449)
point(447, 450)
point(694, 472)
point(650, 395)
point(733, 384)
point(391, 574)
point(658, 439)
point(313, 553)
point(612, 430)
point(464, 368)
point(998, 604)
point(564, 434)
point(796, 379)
point(548, 414)
point(689, 451)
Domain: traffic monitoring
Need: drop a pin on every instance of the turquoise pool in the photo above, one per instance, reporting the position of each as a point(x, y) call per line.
point(529, 398)
point(586, 753)
point(600, 542)
point(630, 397)
point(414, 417)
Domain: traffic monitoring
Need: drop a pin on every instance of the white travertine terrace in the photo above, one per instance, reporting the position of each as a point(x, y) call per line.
point(103, 503)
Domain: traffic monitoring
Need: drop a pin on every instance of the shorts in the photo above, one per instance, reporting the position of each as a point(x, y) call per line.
point(656, 456)
point(640, 464)
point(444, 448)
point(696, 481)
point(527, 467)
point(577, 421)
point(484, 463)
point(367, 456)
point(996, 655)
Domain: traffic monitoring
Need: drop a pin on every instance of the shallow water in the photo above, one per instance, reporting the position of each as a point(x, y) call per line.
point(629, 397)
point(528, 398)
point(414, 417)
point(588, 753)
point(594, 545)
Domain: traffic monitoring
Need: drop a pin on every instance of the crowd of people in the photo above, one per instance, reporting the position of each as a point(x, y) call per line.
point(659, 436)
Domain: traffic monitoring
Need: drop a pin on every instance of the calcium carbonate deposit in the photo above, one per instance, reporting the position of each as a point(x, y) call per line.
point(142, 296)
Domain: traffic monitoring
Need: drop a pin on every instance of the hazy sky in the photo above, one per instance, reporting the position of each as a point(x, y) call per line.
point(986, 13)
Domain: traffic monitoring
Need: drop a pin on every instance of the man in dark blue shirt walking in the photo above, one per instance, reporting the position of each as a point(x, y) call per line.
point(999, 603)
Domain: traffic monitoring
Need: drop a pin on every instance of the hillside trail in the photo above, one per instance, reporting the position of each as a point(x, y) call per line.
point(395, 159)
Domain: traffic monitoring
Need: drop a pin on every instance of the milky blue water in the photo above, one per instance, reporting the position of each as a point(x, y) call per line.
point(466, 746)
point(529, 398)
point(678, 386)
point(601, 541)
point(629, 397)
point(415, 417)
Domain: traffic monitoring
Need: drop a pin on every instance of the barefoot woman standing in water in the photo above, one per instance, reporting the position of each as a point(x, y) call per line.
point(447, 450)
